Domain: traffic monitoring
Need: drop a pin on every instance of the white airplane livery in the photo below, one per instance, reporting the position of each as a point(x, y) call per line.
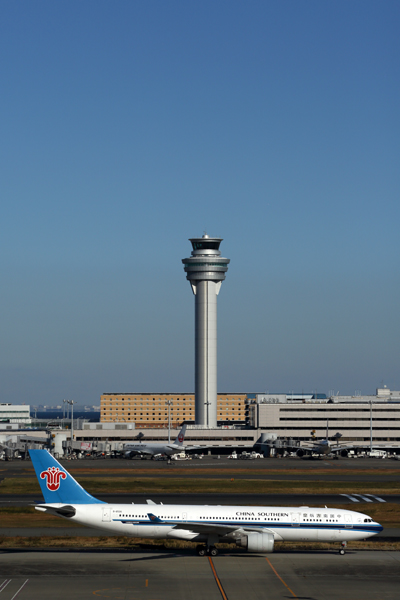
point(255, 528)
point(156, 448)
point(324, 447)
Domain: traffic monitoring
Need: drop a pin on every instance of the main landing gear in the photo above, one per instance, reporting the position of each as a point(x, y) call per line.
point(342, 548)
point(207, 551)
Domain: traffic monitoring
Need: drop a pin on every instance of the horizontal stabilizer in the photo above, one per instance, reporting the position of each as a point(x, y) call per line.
point(58, 511)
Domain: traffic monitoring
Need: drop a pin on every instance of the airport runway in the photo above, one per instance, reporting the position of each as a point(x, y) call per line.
point(169, 575)
point(285, 469)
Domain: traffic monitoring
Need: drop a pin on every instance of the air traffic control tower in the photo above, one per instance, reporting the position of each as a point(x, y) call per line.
point(205, 270)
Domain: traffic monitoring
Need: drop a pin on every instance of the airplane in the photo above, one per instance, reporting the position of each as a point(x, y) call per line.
point(254, 528)
point(155, 448)
point(320, 447)
point(324, 447)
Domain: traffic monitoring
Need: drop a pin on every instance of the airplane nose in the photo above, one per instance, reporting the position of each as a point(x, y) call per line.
point(376, 528)
point(379, 528)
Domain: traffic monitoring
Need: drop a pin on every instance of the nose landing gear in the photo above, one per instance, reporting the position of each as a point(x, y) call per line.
point(342, 548)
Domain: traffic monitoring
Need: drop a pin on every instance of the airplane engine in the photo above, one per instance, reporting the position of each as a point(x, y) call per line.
point(344, 453)
point(257, 542)
point(300, 453)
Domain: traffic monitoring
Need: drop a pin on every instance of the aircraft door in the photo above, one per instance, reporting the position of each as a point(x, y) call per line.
point(348, 521)
point(106, 515)
point(295, 519)
point(184, 517)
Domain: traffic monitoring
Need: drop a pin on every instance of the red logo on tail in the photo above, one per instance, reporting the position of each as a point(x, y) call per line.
point(53, 476)
point(180, 439)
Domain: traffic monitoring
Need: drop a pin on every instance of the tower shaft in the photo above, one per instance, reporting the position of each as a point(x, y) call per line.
point(206, 353)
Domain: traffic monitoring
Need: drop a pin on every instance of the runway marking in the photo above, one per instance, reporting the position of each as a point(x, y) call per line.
point(376, 497)
point(22, 586)
point(351, 497)
point(124, 593)
point(4, 584)
point(279, 577)
point(363, 498)
point(219, 584)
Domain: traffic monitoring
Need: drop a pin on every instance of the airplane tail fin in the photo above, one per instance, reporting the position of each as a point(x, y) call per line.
point(181, 436)
point(57, 485)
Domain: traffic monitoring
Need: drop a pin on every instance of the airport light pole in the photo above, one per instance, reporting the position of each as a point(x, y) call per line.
point(370, 425)
point(169, 402)
point(71, 403)
point(65, 410)
point(208, 416)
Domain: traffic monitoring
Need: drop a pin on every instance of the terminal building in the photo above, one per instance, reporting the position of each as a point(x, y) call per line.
point(299, 417)
point(15, 414)
point(243, 420)
point(288, 416)
point(155, 410)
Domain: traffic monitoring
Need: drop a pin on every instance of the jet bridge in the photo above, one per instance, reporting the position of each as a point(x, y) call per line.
point(270, 445)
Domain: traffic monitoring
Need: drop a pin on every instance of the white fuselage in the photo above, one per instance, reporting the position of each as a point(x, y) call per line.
point(153, 449)
point(173, 521)
point(323, 447)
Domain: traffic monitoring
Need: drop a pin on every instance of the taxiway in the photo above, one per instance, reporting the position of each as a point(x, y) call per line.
point(169, 575)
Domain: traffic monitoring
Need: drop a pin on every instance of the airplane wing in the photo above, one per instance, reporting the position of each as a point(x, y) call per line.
point(186, 449)
point(136, 451)
point(342, 449)
point(220, 529)
point(195, 448)
point(207, 528)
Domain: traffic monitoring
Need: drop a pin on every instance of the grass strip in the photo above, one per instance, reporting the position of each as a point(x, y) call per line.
point(29, 517)
point(225, 471)
point(148, 485)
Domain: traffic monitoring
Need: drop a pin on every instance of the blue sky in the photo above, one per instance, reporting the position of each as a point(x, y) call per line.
point(128, 127)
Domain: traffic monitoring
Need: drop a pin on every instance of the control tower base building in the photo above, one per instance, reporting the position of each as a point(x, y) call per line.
point(205, 270)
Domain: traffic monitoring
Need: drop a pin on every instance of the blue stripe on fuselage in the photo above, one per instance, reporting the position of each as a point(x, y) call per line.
point(271, 525)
